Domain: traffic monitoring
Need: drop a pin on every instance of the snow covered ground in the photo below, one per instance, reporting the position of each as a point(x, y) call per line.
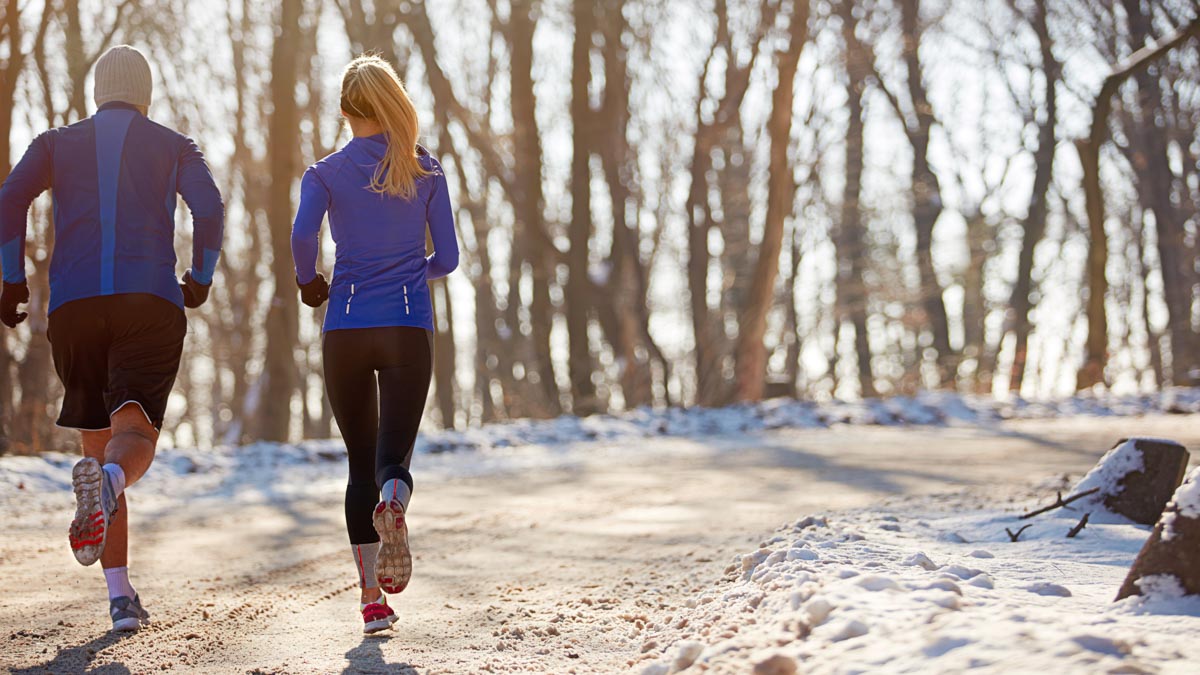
point(933, 585)
point(910, 584)
point(240, 472)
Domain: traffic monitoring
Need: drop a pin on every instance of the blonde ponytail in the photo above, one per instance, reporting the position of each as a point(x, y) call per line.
point(372, 90)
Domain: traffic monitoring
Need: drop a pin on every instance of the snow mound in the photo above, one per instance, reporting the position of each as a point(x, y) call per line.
point(1184, 504)
point(915, 600)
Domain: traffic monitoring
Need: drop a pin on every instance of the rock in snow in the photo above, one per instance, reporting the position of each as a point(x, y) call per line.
point(1173, 549)
point(1135, 479)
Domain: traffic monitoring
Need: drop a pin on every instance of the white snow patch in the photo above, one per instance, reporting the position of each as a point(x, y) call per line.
point(1187, 497)
point(1043, 604)
point(1185, 504)
point(1048, 589)
point(1106, 476)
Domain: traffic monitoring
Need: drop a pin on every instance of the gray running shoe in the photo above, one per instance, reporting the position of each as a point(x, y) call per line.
point(95, 506)
point(127, 613)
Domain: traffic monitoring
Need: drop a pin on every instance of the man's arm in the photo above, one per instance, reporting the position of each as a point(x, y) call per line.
point(29, 178)
point(200, 193)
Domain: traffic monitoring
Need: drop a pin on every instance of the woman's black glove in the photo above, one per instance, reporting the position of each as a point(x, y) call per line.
point(315, 292)
point(11, 296)
point(194, 292)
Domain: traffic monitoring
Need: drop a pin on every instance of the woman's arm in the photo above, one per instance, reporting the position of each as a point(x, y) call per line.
point(440, 217)
point(306, 230)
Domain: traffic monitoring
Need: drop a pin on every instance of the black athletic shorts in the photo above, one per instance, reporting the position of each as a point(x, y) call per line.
point(115, 349)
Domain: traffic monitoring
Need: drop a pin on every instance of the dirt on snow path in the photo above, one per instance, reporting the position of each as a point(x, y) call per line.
point(554, 571)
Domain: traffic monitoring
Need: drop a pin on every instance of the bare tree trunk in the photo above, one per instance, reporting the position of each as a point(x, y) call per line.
point(1092, 371)
point(709, 348)
point(851, 239)
point(578, 309)
point(795, 341)
point(10, 72)
point(372, 33)
point(530, 201)
point(751, 349)
point(1034, 225)
point(1149, 146)
point(33, 423)
point(927, 196)
point(445, 358)
point(282, 324)
point(974, 302)
point(77, 99)
point(625, 297)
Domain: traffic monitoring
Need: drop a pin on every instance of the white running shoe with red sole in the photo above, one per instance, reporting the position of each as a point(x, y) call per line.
point(95, 506)
point(393, 568)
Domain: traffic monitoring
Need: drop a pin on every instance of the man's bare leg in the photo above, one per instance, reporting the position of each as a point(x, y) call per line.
point(132, 443)
point(129, 444)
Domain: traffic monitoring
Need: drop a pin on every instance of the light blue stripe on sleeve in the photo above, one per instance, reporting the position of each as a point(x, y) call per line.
point(12, 261)
point(111, 127)
point(208, 266)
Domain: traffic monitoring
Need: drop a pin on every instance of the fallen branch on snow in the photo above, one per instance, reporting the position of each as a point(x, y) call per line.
point(1079, 528)
point(1060, 503)
point(1016, 536)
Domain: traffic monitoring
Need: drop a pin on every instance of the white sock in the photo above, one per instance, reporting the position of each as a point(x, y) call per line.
point(398, 490)
point(365, 556)
point(117, 579)
point(381, 601)
point(116, 475)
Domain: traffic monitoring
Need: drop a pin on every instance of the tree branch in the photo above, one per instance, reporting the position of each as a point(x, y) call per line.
point(1079, 528)
point(1060, 502)
point(1016, 536)
point(106, 40)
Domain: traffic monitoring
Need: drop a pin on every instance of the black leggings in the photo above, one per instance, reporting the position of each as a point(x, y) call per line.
point(374, 374)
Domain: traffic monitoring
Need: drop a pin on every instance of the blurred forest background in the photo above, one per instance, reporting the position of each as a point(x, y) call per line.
point(674, 202)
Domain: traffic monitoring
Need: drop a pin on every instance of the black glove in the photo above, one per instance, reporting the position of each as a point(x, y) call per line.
point(194, 292)
point(10, 297)
point(315, 292)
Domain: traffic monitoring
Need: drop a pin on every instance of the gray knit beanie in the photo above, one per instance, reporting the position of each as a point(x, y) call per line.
point(123, 74)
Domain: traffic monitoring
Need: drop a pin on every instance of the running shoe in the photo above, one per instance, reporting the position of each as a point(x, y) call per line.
point(127, 613)
point(394, 566)
point(377, 616)
point(95, 506)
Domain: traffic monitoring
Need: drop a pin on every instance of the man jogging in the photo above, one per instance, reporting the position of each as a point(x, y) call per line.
point(116, 324)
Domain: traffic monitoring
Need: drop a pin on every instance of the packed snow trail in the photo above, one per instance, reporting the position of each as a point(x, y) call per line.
point(556, 567)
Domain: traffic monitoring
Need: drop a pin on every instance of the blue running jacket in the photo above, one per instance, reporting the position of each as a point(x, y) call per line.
point(114, 178)
point(380, 273)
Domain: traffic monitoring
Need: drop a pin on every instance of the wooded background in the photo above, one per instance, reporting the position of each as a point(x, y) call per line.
point(673, 202)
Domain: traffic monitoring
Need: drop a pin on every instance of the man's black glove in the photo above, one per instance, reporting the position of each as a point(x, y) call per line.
point(10, 297)
point(194, 292)
point(315, 292)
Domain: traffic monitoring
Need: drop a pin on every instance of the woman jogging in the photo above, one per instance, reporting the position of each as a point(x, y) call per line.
point(381, 192)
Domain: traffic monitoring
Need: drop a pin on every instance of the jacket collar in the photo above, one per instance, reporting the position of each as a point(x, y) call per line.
point(117, 105)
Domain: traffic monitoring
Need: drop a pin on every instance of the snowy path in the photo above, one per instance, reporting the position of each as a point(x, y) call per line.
point(562, 568)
